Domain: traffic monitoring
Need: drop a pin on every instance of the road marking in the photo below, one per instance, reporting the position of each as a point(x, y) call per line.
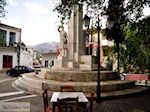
point(7, 80)
point(17, 98)
point(11, 93)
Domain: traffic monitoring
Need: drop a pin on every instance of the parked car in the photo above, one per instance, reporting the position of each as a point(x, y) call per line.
point(20, 70)
point(38, 66)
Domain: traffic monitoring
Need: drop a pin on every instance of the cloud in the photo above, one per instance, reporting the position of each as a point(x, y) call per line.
point(35, 8)
point(146, 11)
point(38, 22)
point(12, 22)
point(12, 2)
point(38, 31)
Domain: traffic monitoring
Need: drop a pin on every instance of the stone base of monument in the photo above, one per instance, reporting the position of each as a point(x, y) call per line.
point(88, 63)
point(72, 64)
point(90, 67)
point(84, 81)
point(60, 63)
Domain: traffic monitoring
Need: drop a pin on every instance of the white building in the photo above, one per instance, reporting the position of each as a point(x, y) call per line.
point(48, 59)
point(12, 51)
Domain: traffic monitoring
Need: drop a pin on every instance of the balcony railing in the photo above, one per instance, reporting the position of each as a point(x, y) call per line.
point(10, 45)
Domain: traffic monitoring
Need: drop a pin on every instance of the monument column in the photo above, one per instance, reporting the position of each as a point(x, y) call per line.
point(79, 33)
point(76, 42)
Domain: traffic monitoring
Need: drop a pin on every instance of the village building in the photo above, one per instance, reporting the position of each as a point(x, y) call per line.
point(12, 51)
point(48, 59)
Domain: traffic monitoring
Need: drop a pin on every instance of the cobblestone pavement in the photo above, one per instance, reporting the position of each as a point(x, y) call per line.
point(138, 103)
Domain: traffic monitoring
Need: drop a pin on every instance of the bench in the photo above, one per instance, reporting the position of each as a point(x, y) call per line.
point(137, 77)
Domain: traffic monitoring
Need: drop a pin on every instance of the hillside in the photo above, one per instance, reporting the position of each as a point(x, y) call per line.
point(46, 47)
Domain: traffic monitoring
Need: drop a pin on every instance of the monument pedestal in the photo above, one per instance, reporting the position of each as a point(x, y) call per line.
point(88, 62)
point(90, 67)
point(60, 62)
point(72, 64)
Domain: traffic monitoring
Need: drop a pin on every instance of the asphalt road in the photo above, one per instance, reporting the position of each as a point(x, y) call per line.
point(10, 94)
point(138, 103)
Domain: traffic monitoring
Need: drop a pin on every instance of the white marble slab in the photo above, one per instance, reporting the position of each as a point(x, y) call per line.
point(62, 95)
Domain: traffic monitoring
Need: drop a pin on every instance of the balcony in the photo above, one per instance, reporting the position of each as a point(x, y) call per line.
point(10, 45)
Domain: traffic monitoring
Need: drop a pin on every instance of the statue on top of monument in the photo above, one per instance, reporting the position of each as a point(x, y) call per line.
point(63, 41)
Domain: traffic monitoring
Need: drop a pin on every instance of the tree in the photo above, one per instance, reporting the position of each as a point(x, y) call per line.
point(2, 9)
point(135, 49)
point(117, 12)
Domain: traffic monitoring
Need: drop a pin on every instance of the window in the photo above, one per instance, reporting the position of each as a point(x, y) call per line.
point(12, 37)
point(4, 34)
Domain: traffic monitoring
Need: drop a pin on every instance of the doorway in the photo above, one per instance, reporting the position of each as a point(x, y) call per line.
point(7, 61)
point(46, 63)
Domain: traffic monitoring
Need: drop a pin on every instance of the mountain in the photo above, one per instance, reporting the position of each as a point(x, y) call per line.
point(46, 47)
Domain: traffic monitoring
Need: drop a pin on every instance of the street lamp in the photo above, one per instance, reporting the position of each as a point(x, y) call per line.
point(17, 45)
point(98, 56)
point(18, 54)
point(86, 22)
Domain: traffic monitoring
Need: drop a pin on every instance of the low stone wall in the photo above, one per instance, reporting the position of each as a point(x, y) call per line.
point(80, 76)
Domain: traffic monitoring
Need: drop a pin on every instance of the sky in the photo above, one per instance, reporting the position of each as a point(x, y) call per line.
point(36, 19)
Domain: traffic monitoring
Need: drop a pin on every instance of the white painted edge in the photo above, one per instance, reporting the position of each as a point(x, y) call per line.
point(17, 98)
point(11, 93)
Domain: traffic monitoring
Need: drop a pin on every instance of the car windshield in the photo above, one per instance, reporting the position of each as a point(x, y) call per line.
point(16, 68)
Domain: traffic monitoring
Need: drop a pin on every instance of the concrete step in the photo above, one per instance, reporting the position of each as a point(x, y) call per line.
point(80, 76)
point(33, 78)
point(34, 82)
point(16, 84)
point(29, 84)
point(118, 93)
point(29, 90)
point(88, 86)
point(107, 94)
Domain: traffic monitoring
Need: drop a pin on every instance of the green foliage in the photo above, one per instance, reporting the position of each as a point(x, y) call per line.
point(2, 9)
point(119, 12)
point(135, 50)
point(109, 65)
point(1, 39)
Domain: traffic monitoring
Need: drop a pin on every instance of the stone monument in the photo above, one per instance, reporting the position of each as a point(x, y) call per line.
point(73, 56)
point(63, 42)
point(71, 44)
point(74, 68)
